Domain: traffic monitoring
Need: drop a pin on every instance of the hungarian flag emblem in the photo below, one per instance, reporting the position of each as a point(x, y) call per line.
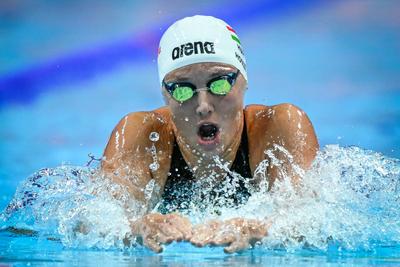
point(233, 34)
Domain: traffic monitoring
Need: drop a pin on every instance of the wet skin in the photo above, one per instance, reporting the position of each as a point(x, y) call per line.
point(224, 111)
point(126, 154)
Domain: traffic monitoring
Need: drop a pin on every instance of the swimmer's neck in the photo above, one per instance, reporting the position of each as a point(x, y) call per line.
point(204, 165)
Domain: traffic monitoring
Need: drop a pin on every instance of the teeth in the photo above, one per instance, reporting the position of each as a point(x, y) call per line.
point(207, 132)
point(208, 138)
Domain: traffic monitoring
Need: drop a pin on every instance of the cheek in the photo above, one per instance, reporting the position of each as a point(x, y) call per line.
point(182, 115)
point(181, 110)
point(231, 105)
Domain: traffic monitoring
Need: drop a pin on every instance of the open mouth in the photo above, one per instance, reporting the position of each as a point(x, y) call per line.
point(208, 134)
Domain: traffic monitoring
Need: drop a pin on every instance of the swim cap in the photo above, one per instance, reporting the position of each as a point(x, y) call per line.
point(199, 39)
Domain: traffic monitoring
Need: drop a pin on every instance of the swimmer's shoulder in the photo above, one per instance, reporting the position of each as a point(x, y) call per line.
point(155, 118)
point(259, 115)
point(280, 124)
point(140, 147)
point(132, 133)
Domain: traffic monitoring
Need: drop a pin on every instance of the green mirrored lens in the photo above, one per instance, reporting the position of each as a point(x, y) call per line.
point(220, 87)
point(182, 93)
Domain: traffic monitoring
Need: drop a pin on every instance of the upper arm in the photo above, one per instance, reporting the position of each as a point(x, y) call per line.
point(296, 134)
point(130, 152)
point(284, 136)
point(123, 137)
point(124, 140)
point(119, 162)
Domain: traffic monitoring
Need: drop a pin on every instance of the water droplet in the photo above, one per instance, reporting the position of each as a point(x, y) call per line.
point(154, 136)
point(186, 119)
point(148, 190)
point(154, 166)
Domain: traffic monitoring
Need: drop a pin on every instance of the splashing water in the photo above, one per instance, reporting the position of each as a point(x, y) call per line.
point(154, 137)
point(349, 197)
point(73, 205)
point(348, 200)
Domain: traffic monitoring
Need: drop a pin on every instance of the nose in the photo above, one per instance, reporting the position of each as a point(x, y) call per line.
point(204, 108)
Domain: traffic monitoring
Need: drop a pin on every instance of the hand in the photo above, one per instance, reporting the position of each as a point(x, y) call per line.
point(156, 229)
point(237, 234)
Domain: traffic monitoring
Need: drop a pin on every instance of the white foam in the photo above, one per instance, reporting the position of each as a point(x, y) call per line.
point(349, 198)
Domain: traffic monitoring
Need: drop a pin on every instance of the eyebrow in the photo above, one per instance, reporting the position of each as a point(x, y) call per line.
point(214, 73)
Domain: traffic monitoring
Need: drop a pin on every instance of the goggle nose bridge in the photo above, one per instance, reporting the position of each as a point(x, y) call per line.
point(202, 89)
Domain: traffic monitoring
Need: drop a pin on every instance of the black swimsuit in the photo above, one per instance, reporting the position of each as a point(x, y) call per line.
point(180, 185)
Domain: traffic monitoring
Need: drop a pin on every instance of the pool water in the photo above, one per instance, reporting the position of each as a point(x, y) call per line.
point(28, 250)
point(346, 212)
point(339, 62)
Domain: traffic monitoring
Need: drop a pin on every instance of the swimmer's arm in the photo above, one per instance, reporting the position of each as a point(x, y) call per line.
point(124, 159)
point(126, 162)
point(131, 152)
point(117, 167)
point(294, 143)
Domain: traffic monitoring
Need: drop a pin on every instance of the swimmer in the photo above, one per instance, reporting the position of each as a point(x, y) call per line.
point(203, 78)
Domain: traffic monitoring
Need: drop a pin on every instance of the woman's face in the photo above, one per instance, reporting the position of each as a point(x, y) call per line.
point(207, 123)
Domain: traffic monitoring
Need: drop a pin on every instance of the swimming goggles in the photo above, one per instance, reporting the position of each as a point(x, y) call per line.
point(183, 91)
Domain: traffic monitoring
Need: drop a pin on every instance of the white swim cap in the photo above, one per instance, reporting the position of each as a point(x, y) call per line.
point(199, 39)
